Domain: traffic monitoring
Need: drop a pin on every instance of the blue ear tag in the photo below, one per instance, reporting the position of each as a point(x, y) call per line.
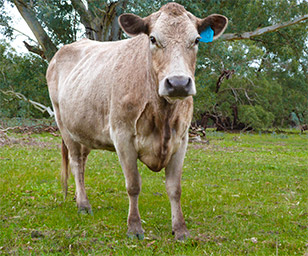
point(207, 35)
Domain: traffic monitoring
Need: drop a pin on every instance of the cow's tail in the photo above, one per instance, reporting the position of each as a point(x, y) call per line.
point(65, 168)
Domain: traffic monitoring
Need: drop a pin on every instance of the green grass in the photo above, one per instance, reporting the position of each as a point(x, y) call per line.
point(242, 194)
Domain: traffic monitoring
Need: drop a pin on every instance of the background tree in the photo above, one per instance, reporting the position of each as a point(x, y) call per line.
point(57, 22)
point(269, 71)
point(254, 77)
point(21, 74)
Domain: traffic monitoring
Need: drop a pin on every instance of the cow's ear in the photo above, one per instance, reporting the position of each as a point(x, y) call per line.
point(214, 24)
point(133, 25)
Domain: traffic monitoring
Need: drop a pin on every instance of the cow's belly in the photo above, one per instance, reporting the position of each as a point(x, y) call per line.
point(90, 128)
point(101, 140)
point(92, 137)
point(154, 152)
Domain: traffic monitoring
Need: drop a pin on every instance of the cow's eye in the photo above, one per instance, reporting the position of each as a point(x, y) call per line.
point(197, 40)
point(153, 39)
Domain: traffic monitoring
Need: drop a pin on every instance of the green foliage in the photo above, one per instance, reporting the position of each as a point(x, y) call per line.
point(59, 19)
point(255, 116)
point(242, 194)
point(23, 74)
point(270, 71)
point(5, 19)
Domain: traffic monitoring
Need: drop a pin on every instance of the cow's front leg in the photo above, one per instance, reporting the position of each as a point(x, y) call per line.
point(128, 159)
point(173, 186)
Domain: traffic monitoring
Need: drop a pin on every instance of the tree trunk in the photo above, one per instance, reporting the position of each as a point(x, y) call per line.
point(48, 47)
point(101, 25)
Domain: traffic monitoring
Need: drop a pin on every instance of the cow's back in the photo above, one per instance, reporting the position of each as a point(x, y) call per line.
point(70, 61)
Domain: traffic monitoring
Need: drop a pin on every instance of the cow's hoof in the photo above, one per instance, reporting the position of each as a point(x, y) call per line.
point(181, 235)
point(85, 210)
point(134, 236)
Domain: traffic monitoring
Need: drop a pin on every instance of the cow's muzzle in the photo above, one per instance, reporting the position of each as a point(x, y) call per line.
point(177, 86)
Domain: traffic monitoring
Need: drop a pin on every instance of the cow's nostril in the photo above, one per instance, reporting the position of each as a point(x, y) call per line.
point(168, 84)
point(188, 82)
point(178, 81)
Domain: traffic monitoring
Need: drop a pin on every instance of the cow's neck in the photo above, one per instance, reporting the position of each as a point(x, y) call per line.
point(167, 115)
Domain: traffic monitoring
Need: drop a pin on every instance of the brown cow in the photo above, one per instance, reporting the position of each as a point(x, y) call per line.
point(134, 97)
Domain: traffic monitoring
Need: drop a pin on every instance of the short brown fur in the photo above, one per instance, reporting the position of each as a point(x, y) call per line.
point(173, 9)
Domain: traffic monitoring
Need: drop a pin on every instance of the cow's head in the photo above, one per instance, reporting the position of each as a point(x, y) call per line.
point(174, 35)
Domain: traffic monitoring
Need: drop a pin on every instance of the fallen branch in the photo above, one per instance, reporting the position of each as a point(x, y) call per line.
point(9, 128)
point(197, 134)
point(32, 129)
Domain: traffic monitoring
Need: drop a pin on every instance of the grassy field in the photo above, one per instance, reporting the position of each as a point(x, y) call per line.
point(242, 194)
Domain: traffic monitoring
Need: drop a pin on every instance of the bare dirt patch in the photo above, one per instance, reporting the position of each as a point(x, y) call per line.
point(24, 136)
point(26, 140)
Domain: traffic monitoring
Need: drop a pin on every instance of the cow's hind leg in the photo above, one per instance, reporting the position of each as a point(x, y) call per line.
point(173, 186)
point(77, 159)
point(75, 155)
point(128, 159)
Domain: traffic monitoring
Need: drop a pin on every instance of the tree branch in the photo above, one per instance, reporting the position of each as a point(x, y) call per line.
point(115, 28)
point(261, 31)
point(35, 49)
point(35, 104)
point(224, 74)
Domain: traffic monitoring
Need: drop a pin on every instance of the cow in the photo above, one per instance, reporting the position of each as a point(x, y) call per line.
point(132, 96)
